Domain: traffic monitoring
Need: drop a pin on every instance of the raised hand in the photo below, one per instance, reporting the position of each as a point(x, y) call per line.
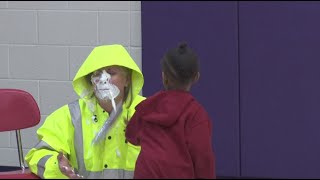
point(66, 168)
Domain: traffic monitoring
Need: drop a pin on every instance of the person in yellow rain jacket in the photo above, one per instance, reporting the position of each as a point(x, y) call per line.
point(86, 138)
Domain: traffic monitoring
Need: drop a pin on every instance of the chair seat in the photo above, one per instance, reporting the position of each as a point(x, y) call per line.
point(18, 174)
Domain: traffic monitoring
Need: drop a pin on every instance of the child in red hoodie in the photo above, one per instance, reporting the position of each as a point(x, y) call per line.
point(171, 126)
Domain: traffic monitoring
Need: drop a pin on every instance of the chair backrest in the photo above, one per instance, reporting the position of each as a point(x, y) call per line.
point(18, 110)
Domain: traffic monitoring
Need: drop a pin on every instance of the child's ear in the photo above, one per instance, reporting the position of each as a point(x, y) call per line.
point(164, 80)
point(197, 77)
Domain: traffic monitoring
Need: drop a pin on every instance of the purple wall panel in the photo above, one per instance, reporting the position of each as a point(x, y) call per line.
point(279, 89)
point(211, 29)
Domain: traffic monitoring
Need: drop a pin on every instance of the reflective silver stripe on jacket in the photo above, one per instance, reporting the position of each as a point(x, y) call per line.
point(42, 162)
point(41, 165)
point(76, 117)
point(111, 174)
point(43, 145)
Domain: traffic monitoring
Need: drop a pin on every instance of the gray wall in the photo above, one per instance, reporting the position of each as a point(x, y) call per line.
point(43, 43)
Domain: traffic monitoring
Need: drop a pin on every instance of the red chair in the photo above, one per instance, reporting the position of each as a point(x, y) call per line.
point(18, 110)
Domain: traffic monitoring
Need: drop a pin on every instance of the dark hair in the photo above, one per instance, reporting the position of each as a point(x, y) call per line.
point(180, 64)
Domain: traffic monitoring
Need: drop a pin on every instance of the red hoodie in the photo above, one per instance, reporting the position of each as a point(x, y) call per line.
point(174, 132)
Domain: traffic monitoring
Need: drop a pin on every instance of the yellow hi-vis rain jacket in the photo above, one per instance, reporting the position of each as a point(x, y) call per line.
point(72, 127)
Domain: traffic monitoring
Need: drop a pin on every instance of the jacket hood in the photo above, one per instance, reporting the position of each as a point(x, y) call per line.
point(102, 56)
point(165, 107)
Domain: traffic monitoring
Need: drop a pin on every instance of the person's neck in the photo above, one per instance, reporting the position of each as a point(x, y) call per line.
point(107, 105)
point(179, 88)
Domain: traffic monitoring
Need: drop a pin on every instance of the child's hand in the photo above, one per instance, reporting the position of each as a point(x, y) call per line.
point(66, 168)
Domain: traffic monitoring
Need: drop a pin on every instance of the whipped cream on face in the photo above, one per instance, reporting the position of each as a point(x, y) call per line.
point(105, 90)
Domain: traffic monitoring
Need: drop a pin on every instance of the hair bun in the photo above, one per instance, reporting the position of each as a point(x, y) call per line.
point(182, 47)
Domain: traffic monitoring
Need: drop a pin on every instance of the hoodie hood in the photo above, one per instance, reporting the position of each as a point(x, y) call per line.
point(102, 56)
point(165, 107)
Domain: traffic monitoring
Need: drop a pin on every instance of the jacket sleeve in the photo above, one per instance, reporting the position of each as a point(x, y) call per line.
point(133, 150)
point(54, 136)
point(132, 129)
point(200, 145)
point(134, 124)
